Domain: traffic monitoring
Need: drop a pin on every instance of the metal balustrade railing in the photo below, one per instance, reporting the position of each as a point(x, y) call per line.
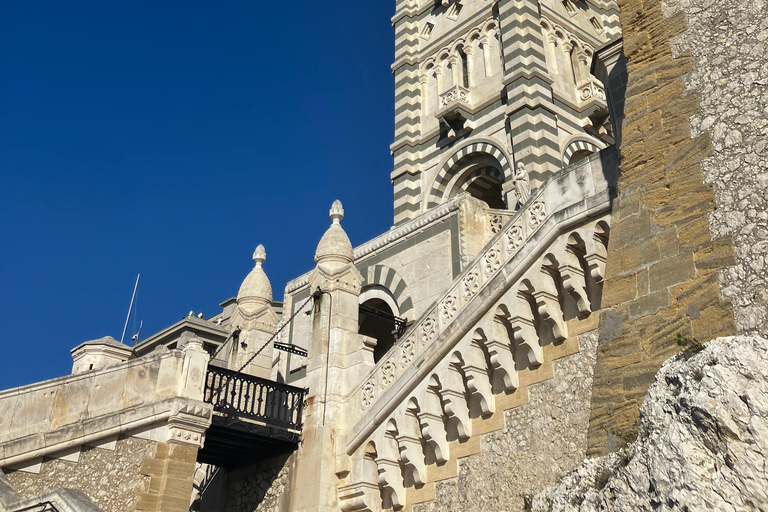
point(246, 396)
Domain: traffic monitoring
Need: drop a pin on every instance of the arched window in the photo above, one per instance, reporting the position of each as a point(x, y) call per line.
point(464, 69)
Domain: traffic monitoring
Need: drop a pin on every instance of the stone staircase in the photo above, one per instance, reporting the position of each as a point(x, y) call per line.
point(518, 306)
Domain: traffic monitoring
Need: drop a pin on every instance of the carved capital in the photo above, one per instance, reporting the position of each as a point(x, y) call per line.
point(188, 422)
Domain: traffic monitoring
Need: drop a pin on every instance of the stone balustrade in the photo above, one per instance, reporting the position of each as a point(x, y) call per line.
point(456, 94)
point(495, 321)
point(590, 90)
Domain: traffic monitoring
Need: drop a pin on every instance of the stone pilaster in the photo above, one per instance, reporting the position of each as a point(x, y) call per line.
point(337, 360)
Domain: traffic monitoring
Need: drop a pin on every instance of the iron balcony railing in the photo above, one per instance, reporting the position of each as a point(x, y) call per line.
point(246, 396)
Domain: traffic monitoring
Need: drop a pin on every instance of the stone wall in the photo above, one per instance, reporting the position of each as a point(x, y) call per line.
point(259, 488)
point(663, 259)
point(110, 477)
point(540, 441)
point(728, 42)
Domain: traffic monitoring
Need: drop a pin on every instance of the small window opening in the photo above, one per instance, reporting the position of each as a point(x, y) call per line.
point(464, 69)
point(569, 7)
point(454, 11)
point(596, 24)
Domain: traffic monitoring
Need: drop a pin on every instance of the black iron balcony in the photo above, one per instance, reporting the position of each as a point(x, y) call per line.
point(254, 418)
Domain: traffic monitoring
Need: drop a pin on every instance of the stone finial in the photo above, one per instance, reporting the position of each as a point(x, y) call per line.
point(335, 248)
point(256, 286)
point(337, 212)
point(259, 256)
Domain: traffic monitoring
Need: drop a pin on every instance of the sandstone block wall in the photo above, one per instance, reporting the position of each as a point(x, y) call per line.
point(111, 477)
point(692, 120)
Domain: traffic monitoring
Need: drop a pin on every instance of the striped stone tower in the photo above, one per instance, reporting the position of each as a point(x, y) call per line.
point(483, 86)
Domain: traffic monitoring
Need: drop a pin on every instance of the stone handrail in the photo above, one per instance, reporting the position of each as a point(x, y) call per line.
point(561, 193)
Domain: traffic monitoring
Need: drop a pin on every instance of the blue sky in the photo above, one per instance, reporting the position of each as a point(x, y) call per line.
point(169, 139)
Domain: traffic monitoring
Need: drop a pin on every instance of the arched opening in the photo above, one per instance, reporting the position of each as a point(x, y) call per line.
point(486, 188)
point(579, 155)
point(377, 327)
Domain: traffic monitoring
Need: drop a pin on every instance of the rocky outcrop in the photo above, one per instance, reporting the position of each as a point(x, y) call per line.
point(702, 442)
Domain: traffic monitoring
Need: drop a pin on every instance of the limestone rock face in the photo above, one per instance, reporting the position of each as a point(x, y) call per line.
point(702, 443)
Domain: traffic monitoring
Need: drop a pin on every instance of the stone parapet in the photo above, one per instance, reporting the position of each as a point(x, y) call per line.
point(161, 392)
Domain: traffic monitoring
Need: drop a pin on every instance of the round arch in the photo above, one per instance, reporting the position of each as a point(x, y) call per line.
point(383, 282)
point(578, 147)
point(465, 160)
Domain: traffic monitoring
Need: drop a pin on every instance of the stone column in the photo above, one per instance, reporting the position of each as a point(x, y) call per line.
point(569, 72)
point(338, 360)
point(456, 70)
point(486, 44)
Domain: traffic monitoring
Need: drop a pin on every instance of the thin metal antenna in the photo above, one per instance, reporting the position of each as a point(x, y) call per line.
point(130, 307)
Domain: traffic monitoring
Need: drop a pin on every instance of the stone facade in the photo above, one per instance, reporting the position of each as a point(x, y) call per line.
point(110, 475)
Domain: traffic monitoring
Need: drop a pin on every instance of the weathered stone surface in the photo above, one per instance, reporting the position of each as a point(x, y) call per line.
point(728, 42)
point(258, 489)
point(702, 441)
point(540, 441)
point(110, 478)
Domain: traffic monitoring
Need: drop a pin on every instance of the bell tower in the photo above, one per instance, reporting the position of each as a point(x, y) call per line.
point(482, 87)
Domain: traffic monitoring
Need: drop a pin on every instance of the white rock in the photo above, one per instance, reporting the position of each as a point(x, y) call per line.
point(702, 444)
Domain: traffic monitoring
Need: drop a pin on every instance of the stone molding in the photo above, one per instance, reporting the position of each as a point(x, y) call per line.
point(391, 237)
point(181, 414)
